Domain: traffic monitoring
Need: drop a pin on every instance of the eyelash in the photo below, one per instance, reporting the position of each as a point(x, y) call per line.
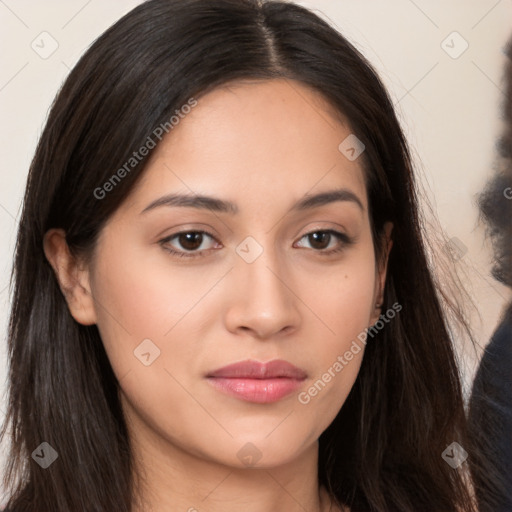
point(343, 238)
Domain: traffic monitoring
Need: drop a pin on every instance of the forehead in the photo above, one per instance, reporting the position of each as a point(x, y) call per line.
point(275, 138)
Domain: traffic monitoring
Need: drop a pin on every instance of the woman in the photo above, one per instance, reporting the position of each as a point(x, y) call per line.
point(222, 299)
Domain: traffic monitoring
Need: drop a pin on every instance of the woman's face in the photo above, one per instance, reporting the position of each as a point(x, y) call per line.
point(277, 275)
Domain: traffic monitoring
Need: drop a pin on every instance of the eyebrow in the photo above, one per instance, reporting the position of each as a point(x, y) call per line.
point(223, 206)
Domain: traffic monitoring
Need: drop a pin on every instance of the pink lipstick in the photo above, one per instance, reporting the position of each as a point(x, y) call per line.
point(257, 382)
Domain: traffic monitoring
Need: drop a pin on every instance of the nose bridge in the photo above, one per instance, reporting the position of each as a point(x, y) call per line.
point(263, 300)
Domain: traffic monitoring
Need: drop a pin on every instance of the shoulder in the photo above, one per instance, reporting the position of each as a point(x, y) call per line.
point(494, 368)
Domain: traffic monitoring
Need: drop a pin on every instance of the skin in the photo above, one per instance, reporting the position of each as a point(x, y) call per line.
point(263, 145)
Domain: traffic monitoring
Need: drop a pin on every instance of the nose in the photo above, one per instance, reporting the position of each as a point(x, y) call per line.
point(263, 299)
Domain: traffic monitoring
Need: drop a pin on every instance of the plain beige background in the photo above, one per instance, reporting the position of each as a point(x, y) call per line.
point(448, 98)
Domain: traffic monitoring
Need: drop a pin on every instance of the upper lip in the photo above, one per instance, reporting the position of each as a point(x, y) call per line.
point(256, 370)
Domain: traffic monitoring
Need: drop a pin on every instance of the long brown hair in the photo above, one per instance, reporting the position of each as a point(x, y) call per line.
point(383, 450)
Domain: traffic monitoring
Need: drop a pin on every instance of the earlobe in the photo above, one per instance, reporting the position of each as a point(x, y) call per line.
point(73, 280)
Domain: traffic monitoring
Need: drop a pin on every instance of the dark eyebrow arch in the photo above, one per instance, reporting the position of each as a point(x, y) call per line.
point(341, 194)
point(218, 205)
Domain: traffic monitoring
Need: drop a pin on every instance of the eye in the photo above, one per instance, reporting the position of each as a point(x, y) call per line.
point(191, 243)
point(320, 241)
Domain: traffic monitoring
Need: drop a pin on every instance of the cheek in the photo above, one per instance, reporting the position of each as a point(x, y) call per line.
point(344, 304)
point(144, 312)
point(140, 296)
point(135, 300)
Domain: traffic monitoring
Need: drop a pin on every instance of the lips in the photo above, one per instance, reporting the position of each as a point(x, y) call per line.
point(255, 370)
point(257, 382)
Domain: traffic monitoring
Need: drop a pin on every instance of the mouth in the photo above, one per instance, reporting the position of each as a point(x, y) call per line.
point(257, 382)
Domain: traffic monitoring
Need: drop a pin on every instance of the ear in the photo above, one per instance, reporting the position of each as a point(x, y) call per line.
point(73, 277)
point(381, 272)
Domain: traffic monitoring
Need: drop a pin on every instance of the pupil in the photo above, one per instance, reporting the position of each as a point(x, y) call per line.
point(190, 241)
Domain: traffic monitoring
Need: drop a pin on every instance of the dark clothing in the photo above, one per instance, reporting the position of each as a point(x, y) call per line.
point(490, 418)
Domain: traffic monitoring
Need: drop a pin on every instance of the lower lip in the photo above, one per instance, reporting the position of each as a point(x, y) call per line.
point(260, 391)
